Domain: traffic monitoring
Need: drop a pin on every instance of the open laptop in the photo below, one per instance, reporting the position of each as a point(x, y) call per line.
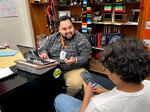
point(24, 49)
point(31, 54)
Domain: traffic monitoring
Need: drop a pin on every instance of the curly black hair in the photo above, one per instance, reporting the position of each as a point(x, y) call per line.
point(128, 58)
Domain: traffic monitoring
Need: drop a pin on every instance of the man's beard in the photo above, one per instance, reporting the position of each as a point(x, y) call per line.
point(69, 37)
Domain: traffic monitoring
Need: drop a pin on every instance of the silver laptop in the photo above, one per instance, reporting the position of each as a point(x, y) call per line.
point(31, 54)
point(24, 49)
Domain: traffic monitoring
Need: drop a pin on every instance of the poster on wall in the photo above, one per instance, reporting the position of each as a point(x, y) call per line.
point(147, 25)
point(7, 8)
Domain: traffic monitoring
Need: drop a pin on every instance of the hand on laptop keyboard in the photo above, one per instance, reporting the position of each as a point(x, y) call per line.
point(43, 56)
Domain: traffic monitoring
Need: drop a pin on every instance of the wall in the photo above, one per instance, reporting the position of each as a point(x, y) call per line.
point(17, 30)
point(144, 33)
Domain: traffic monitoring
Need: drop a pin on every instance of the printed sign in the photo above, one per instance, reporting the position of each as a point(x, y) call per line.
point(147, 25)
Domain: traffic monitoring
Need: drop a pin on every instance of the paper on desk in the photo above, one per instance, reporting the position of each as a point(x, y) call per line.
point(4, 72)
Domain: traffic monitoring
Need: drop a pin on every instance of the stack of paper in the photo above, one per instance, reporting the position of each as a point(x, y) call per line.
point(5, 72)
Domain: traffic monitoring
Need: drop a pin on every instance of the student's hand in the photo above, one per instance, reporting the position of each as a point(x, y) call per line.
point(87, 96)
point(87, 89)
point(99, 89)
point(43, 55)
point(70, 60)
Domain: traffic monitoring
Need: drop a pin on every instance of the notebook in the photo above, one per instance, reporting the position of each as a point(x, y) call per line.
point(31, 54)
point(4, 53)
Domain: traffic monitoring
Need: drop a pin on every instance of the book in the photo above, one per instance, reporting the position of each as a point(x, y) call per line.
point(4, 53)
point(99, 40)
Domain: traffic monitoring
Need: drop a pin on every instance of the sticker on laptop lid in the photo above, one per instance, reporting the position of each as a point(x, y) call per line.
point(57, 73)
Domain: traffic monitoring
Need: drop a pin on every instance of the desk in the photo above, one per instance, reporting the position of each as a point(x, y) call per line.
point(28, 92)
point(9, 61)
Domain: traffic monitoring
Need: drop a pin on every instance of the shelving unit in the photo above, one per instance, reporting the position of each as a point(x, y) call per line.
point(127, 28)
point(124, 20)
point(98, 48)
point(38, 16)
point(117, 23)
point(111, 25)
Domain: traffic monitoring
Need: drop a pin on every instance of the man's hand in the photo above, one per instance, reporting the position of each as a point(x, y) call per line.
point(43, 55)
point(70, 60)
point(87, 96)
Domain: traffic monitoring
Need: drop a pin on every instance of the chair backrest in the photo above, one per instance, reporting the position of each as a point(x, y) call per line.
point(88, 36)
point(1, 110)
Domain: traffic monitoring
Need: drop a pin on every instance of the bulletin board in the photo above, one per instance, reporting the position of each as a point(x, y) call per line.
point(7, 8)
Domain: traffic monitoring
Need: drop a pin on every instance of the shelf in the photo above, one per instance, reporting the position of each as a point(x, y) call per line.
point(116, 23)
point(39, 3)
point(115, 3)
point(108, 23)
point(130, 23)
point(101, 4)
point(98, 48)
point(76, 21)
point(69, 6)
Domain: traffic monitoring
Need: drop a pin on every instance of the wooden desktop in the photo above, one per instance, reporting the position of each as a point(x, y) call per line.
point(8, 61)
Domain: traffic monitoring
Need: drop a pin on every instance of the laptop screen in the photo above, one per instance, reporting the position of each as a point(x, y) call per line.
point(24, 49)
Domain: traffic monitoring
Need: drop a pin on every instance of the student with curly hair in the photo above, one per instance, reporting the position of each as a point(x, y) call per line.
point(127, 64)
